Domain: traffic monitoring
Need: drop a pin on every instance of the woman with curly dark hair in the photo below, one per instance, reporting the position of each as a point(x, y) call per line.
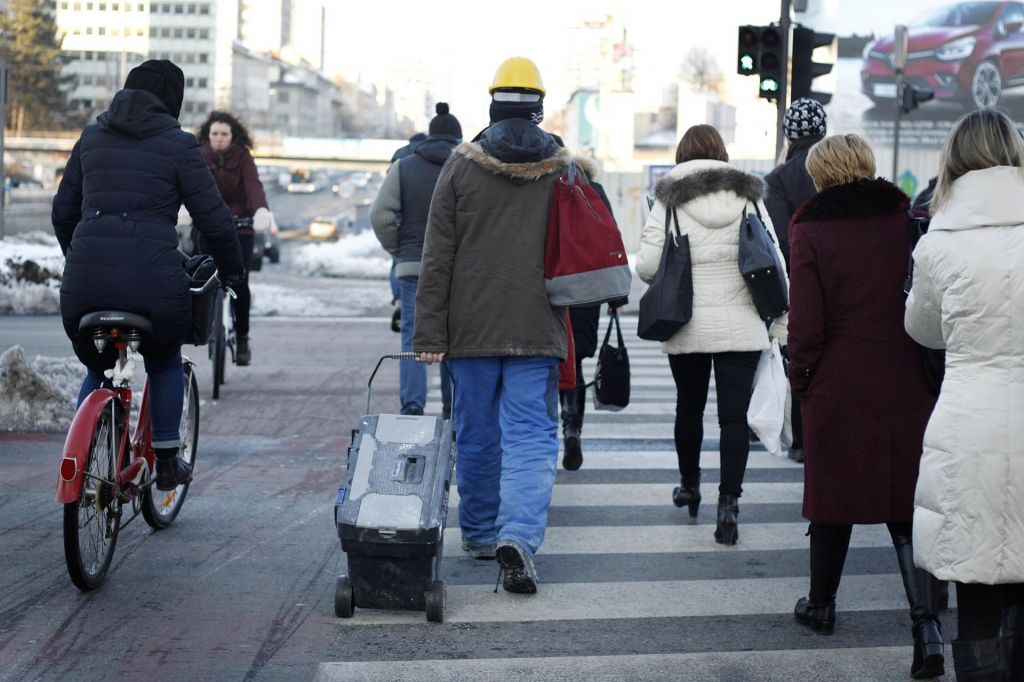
point(226, 146)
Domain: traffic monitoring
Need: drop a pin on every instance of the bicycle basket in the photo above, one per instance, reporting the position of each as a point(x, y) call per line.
point(204, 288)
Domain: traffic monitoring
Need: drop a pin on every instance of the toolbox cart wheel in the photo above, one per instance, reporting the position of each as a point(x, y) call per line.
point(435, 602)
point(344, 600)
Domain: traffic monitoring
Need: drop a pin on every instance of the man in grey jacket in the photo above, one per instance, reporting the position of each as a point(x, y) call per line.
point(399, 218)
point(482, 304)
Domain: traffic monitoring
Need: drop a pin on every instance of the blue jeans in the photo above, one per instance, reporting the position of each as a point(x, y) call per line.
point(166, 396)
point(506, 423)
point(393, 278)
point(412, 375)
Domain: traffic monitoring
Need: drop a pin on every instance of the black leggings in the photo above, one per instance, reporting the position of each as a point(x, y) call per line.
point(244, 300)
point(980, 608)
point(829, 545)
point(734, 376)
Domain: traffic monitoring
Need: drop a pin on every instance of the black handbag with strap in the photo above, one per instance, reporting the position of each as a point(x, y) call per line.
point(667, 304)
point(933, 360)
point(761, 268)
point(611, 381)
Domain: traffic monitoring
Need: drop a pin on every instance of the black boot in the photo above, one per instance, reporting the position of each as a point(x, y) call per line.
point(243, 355)
point(1012, 634)
point(726, 533)
point(979, 661)
point(922, 597)
point(819, 617)
point(688, 495)
point(572, 424)
point(171, 470)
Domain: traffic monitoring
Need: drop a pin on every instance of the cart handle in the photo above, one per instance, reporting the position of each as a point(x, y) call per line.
point(390, 356)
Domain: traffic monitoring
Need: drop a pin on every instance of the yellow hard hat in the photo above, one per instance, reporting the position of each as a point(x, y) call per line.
point(517, 72)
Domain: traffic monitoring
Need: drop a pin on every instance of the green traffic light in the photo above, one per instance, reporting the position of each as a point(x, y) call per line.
point(747, 62)
point(769, 85)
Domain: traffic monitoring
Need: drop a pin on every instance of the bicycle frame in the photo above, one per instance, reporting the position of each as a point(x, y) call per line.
point(83, 430)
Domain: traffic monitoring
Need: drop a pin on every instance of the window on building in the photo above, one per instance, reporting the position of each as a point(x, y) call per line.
point(179, 9)
point(204, 34)
point(102, 7)
point(202, 107)
point(165, 32)
point(88, 30)
point(179, 33)
point(190, 58)
point(190, 33)
point(191, 9)
point(88, 7)
point(89, 55)
point(165, 8)
point(102, 30)
point(283, 96)
point(140, 31)
point(78, 6)
point(203, 58)
point(64, 5)
point(140, 7)
point(190, 82)
point(204, 9)
point(203, 82)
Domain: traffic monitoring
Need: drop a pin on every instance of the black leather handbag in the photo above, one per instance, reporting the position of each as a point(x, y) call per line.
point(204, 290)
point(611, 381)
point(933, 360)
point(667, 304)
point(760, 267)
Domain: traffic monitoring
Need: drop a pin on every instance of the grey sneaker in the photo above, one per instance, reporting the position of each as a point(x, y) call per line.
point(482, 553)
point(517, 569)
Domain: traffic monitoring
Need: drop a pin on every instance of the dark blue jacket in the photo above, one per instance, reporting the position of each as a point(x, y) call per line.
point(115, 213)
point(418, 175)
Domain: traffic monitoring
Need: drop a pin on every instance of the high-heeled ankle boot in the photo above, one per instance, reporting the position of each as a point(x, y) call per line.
point(727, 533)
point(979, 661)
point(922, 597)
point(1012, 635)
point(688, 495)
point(819, 617)
point(572, 401)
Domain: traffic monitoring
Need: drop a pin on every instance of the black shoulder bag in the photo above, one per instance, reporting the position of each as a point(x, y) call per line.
point(667, 304)
point(933, 360)
point(611, 380)
point(760, 267)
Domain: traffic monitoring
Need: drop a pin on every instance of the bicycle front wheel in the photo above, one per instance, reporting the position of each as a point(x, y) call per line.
point(159, 507)
point(92, 522)
point(219, 347)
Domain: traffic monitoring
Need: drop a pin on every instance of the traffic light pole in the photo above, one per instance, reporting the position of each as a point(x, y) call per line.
point(896, 130)
point(783, 102)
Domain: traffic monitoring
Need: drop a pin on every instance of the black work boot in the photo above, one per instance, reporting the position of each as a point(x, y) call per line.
point(727, 531)
point(243, 354)
point(517, 569)
point(171, 470)
point(572, 401)
point(820, 617)
point(923, 600)
point(979, 660)
point(688, 495)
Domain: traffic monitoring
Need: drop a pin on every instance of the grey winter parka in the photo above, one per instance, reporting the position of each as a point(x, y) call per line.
point(481, 289)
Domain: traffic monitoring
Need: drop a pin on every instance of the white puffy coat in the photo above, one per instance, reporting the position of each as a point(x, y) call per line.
point(709, 197)
point(968, 297)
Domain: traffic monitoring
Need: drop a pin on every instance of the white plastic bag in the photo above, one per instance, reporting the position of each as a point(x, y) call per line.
point(766, 414)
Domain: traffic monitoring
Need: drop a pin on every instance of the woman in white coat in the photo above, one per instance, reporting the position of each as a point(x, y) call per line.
point(968, 297)
point(708, 197)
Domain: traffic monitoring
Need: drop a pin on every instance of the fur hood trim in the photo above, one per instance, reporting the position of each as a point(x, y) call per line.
point(588, 165)
point(859, 199)
point(674, 190)
point(519, 171)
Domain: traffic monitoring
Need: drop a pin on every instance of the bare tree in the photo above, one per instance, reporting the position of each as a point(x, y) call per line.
point(700, 70)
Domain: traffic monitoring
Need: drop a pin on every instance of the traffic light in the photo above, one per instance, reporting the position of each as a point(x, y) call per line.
point(911, 96)
point(805, 69)
point(771, 69)
point(748, 50)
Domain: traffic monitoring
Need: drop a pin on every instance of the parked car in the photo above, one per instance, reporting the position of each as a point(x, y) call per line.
point(969, 51)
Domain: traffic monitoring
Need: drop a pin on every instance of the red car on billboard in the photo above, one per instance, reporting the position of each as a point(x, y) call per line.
point(968, 51)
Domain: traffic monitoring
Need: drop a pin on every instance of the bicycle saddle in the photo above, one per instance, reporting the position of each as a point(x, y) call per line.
point(115, 318)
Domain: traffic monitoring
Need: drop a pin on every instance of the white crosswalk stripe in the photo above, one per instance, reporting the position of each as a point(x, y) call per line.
point(632, 589)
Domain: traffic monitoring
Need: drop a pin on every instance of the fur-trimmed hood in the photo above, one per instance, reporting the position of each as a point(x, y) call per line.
point(516, 149)
point(860, 199)
point(712, 192)
point(524, 171)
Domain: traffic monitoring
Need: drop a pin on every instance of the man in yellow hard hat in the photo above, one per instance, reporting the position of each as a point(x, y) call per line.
point(481, 303)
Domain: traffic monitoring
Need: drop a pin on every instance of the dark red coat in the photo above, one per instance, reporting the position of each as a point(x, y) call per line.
point(237, 179)
point(865, 399)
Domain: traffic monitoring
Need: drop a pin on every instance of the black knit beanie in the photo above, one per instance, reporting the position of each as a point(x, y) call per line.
point(162, 78)
point(444, 123)
point(531, 111)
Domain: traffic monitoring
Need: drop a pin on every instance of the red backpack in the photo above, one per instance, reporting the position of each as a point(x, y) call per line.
point(584, 258)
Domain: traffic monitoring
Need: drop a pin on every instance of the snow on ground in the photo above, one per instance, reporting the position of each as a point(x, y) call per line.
point(37, 395)
point(30, 270)
point(358, 255)
point(358, 298)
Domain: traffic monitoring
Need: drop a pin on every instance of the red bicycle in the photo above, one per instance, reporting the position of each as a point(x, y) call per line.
point(105, 470)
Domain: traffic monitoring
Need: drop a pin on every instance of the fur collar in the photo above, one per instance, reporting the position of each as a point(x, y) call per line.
point(860, 199)
point(676, 191)
point(519, 171)
point(588, 165)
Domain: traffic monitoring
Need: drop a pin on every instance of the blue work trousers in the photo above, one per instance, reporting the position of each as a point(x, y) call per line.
point(506, 422)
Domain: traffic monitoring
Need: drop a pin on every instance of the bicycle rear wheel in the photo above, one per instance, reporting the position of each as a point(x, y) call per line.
point(219, 343)
point(92, 522)
point(159, 507)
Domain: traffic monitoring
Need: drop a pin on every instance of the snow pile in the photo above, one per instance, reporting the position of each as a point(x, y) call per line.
point(31, 265)
point(359, 255)
point(38, 395)
point(356, 298)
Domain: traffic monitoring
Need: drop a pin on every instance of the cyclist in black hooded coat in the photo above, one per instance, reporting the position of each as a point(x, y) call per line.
point(114, 216)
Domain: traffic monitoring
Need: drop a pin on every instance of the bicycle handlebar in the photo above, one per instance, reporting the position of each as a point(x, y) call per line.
point(210, 283)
